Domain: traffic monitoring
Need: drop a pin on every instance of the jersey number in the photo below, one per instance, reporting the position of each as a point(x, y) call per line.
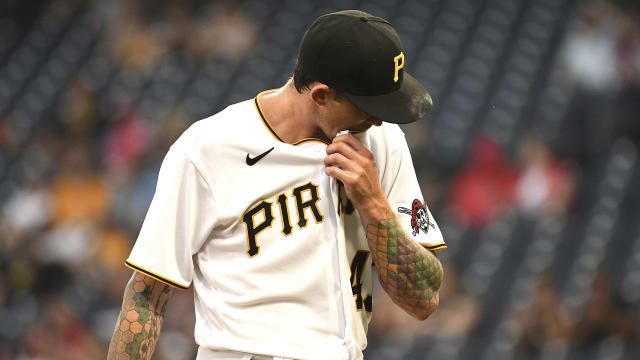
point(357, 267)
point(255, 227)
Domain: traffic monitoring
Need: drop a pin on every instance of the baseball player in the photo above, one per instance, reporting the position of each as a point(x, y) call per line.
point(276, 209)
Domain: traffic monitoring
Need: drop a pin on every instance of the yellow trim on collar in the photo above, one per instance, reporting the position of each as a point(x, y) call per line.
point(256, 102)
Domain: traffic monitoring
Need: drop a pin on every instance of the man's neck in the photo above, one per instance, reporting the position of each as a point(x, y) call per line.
point(289, 114)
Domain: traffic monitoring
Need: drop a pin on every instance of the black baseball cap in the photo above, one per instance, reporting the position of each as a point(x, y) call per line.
point(360, 56)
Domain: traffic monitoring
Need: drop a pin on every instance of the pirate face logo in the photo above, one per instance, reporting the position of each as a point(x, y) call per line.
point(419, 217)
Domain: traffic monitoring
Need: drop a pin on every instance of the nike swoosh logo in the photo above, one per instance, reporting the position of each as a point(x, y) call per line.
point(252, 161)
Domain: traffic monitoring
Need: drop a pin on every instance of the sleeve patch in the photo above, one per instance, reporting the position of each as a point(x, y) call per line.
point(420, 219)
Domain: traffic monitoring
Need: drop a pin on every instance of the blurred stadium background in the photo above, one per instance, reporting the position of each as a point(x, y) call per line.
point(529, 162)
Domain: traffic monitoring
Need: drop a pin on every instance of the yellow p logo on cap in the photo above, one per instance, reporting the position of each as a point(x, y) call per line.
point(399, 64)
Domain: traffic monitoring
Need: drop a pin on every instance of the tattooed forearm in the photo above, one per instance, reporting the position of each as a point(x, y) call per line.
point(138, 326)
point(408, 272)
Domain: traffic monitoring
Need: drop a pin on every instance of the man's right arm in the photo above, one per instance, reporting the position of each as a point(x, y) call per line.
point(138, 326)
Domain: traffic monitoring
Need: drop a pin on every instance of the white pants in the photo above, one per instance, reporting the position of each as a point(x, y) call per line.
point(207, 354)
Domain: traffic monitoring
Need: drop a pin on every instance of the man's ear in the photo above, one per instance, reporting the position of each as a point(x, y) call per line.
point(321, 94)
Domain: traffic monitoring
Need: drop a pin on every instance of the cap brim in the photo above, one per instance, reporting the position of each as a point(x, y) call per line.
point(409, 103)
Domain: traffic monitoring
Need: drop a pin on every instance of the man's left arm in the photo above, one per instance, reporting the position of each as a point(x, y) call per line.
point(408, 272)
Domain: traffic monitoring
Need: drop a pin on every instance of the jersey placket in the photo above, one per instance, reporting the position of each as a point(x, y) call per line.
point(343, 296)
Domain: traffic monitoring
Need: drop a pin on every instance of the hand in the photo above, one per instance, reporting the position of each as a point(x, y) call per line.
point(354, 165)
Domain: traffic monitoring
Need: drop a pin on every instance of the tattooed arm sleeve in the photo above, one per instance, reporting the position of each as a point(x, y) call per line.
point(408, 272)
point(138, 326)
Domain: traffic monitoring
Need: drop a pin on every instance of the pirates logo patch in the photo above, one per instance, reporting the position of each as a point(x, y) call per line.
point(419, 217)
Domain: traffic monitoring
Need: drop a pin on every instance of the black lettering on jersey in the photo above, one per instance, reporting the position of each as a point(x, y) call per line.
point(252, 229)
point(368, 303)
point(312, 203)
point(284, 212)
point(302, 200)
point(357, 267)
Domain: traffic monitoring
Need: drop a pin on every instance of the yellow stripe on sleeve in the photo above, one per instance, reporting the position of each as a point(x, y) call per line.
point(151, 274)
point(436, 247)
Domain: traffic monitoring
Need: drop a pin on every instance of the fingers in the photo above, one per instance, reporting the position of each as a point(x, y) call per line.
point(343, 169)
point(339, 174)
point(350, 147)
point(350, 140)
point(349, 157)
point(339, 160)
point(343, 149)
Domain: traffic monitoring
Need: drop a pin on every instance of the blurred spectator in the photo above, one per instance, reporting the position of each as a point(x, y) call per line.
point(136, 182)
point(627, 105)
point(80, 199)
point(79, 110)
point(590, 51)
point(601, 57)
point(78, 192)
point(60, 334)
point(143, 32)
point(111, 246)
point(546, 320)
point(126, 142)
point(27, 210)
point(545, 185)
point(138, 45)
point(223, 33)
point(67, 243)
point(605, 315)
point(484, 188)
point(628, 50)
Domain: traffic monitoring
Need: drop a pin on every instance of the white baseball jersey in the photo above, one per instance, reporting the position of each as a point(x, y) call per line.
point(277, 256)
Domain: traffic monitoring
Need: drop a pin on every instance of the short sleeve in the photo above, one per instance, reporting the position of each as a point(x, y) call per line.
point(405, 197)
point(179, 220)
